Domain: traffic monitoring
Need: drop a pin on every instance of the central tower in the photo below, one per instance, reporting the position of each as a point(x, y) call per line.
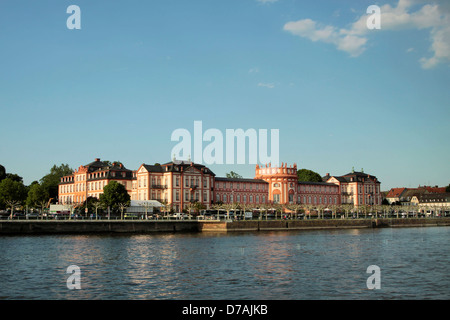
point(282, 182)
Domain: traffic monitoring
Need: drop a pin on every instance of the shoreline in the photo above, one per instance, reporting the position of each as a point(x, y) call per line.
point(42, 227)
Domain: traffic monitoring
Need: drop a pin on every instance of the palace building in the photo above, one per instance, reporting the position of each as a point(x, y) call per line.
point(357, 188)
point(89, 180)
point(181, 183)
point(178, 183)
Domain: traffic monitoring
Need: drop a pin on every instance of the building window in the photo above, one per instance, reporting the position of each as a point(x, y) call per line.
point(276, 198)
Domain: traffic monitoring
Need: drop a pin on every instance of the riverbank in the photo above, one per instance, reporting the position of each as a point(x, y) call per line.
point(145, 226)
point(286, 225)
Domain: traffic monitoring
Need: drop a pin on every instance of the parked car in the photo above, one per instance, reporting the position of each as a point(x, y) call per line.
point(4, 214)
point(18, 215)
point(32, 215)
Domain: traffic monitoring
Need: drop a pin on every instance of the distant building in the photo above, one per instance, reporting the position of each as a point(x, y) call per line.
point(394, 195)
point(410, 196)
point(433, 203)
point(357, 188)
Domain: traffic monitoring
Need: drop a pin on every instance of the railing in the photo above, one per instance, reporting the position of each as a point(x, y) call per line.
point(340, 216)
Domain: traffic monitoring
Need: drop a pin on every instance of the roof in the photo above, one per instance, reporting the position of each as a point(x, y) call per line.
point(414, 192)
point(340, 179)
point(395, 192)
point(352, 177)
point(359, 175)
point(153, 203)
point(101, 165)
point(435, 189)
point(318, 183)
point(153, 168)
point(224, 179)
point(434, 197)
point(175, 166)
point(96, 164)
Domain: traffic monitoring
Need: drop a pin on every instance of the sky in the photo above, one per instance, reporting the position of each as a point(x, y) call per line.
point(341, 94)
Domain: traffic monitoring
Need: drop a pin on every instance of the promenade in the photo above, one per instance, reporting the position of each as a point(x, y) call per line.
point(21, 227)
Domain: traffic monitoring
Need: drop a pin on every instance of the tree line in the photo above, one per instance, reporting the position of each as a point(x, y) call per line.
point(14, 193)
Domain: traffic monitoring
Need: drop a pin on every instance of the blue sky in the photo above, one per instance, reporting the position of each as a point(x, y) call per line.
point(341, 95)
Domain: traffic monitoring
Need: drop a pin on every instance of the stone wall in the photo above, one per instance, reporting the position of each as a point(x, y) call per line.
point(102, 226)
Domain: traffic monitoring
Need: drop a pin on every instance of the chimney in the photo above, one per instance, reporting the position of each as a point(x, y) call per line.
point(97, 159)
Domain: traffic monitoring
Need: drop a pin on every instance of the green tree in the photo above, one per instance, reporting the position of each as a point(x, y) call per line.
point(114, 194)
point(2, 172)
point(51, 180)
point(14, 177)
point(12, 193)
point(36, 195)
point(233, 174)
point(447, 189)
point(91, 205)
point(308, 175)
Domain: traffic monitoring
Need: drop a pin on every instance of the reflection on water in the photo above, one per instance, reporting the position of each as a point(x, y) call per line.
point(258, 265)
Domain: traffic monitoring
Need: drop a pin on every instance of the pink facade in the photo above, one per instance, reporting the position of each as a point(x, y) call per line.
point(244, 191)
point(179, 184)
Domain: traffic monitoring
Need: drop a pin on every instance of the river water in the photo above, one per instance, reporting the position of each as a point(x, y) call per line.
point(295, 265)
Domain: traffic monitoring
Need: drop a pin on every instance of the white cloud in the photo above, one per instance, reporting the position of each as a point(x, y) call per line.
point(434, 16)
point(253, 70)
point(267, 85)
point(307, 28)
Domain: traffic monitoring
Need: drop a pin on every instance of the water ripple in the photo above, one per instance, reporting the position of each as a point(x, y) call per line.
point(264, 265)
